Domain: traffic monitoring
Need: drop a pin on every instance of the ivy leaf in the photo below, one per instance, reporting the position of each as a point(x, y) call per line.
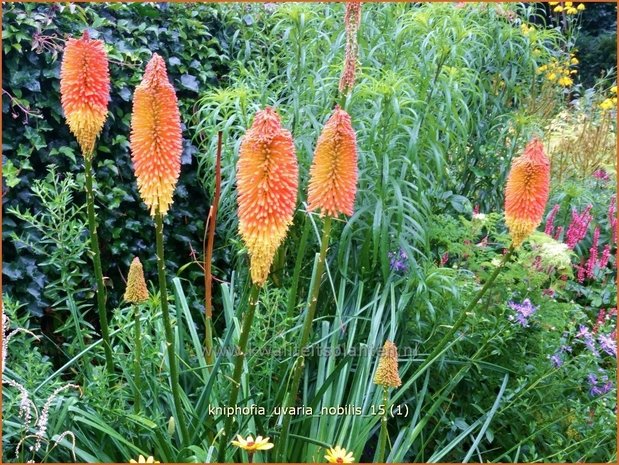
point(190, 82)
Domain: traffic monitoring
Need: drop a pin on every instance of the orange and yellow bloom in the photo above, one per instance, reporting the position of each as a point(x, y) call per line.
point(333, 174)
point(526, 192)
point(85, 89)
point(267, 183)
point(156, 142)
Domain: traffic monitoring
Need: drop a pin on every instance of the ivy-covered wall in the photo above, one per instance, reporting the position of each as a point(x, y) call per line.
point(35, 134)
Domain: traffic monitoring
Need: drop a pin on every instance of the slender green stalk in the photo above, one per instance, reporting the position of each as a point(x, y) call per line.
point(292, 295)
point(238, 367)
point(169, 334)
point(458, 323)
point(96, 258)
point(382, 439)
point(307, 327)
point(137, 369)
point(208, 259)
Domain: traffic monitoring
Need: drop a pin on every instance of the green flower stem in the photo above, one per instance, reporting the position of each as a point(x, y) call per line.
point(238, 367)
point(96, 258)
point(137, 370)
point(292, 296)
point(382, 439)
point(289, 400)
point(462, 318)
point(169, 334)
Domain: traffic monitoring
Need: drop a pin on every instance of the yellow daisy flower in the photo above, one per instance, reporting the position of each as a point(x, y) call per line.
point(607, 104)
point(252, 445)
point(338, 454)
point(141, 459)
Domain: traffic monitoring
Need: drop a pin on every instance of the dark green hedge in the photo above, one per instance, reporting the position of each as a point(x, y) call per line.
point(33, 37)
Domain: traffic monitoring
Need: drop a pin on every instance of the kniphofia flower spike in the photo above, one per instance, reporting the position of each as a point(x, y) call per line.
point(267, 183)
point(85, 89)
point(333, 174)
point(156, 141)
point(526, 192)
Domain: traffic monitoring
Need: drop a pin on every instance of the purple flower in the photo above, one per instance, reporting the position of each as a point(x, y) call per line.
point(597, 386)
point(398, 261)
point(583, 331)
point(601, 174)
point(608, 344)
point(556, 360)
point(523, 312)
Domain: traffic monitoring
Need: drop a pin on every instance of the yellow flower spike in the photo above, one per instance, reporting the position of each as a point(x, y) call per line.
point(526, 192)
point(252, 445)
point(338, 454)
point(581, 7)
point(267, 183)
point(136, 285)
point(141, 459)
point(558, 9)
point(387, 372)
point(156, 141)
point(85, 89)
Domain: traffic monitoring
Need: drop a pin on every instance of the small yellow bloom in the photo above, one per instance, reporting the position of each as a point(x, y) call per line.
point(607, 104)
point(572, 11)
point(252, 445)
point(613, 89)
point(338, 454)
point(558, 9)
point(568, 4)
point(614, 99)
point(581, 6)
point(574, 61)
point(565, 81)
point(553, 3)
point(573, 72)
point(551, 76)
point(141, 459)
point(542, 68)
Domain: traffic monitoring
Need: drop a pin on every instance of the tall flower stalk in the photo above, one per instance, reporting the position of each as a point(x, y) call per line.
point(526, 195)
point(387, 377)
point(85, 93)
point(136, 293)
point(156, 147)
point(267, 183)
point(332, 190)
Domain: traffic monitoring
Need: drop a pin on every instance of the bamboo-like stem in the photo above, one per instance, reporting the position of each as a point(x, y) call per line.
point(382, 439)
point(208, 258)
point(137, 360)
point(169, 334)
point(96, 259)
point(307, 327)
point(238, 368)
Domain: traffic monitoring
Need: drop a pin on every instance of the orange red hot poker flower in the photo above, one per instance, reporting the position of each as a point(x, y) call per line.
point(85, 89)
point(526, 192)
point(267, 182)
point(156, 142)
point(333, 174)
